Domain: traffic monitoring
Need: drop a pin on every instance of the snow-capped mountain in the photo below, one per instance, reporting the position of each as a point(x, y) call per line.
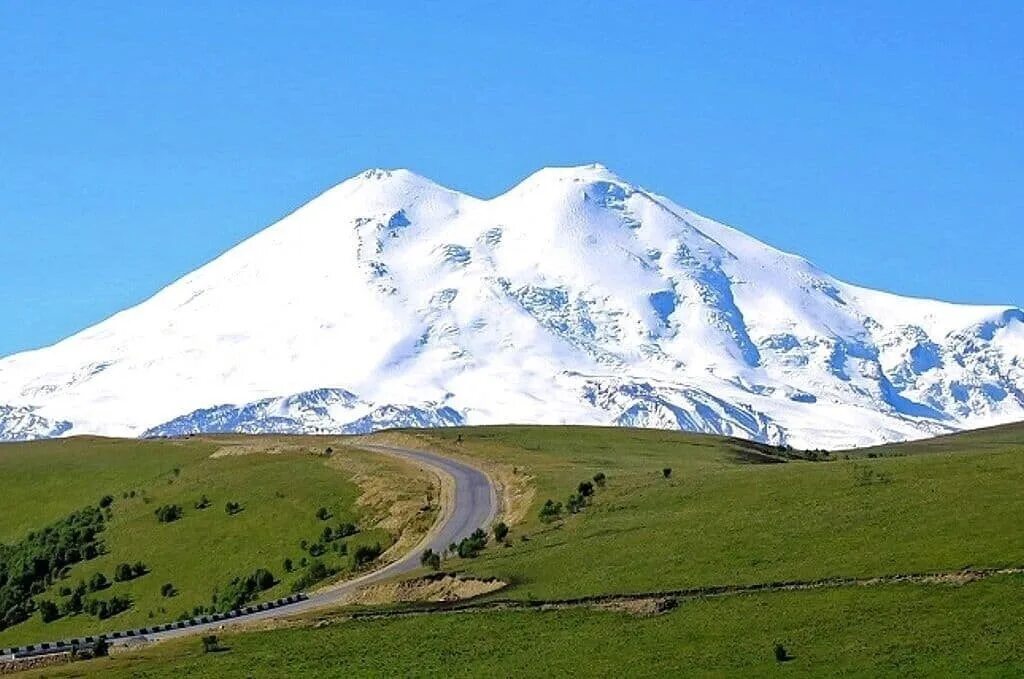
point(575, 297)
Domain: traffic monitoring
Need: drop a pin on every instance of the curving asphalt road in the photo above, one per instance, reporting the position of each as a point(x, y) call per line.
point(474, 506)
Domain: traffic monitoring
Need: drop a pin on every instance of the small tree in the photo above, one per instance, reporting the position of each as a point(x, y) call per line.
point(599, 479)
point(138, 569)
point(106, 501)
point(585, 489)
point(203, 502)
point(666, 472)
point(232, 508)
point(288, 566)
point(210, 643)
point(781, 654)
point(167, 590)
point(323, 514)
point(98, 582)
point(100, 648)
point(500, 531)
point(123, 572)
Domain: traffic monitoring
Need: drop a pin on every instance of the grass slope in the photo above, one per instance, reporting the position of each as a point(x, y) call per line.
point(279, 492)
point(898, 630)
point(720, 520)
point(724, 517)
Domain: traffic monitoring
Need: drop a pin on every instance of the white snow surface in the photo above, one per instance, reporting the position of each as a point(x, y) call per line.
point(575, 297)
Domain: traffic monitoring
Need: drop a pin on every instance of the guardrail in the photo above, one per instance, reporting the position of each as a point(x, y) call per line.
point(71, 645)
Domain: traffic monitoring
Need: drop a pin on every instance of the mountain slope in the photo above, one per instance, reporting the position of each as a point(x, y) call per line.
point(575, 297)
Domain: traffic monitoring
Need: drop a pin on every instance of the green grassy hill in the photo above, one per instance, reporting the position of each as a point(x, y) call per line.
point(726, 516)
point(279, 485)
point(729, 514)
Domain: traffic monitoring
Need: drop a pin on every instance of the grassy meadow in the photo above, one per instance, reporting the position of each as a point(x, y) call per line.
point(729, 513)
point(279, 489)
point(891, 631)
point(722, 518)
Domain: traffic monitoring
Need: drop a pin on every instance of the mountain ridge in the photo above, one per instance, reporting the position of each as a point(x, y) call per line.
point(573, 297)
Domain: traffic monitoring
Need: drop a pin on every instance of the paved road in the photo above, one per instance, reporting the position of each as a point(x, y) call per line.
point(475, 506)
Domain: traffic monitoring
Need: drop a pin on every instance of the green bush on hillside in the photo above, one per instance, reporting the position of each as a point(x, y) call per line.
point(550, 511)
point(168, 513)
point(471, 546)
point(242, 590)
point(29, 567)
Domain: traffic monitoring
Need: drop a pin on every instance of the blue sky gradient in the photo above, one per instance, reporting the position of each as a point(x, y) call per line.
point(885, 143)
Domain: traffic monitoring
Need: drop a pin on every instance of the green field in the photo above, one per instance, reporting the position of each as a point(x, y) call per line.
point(731, 513)
point(723, 520)
point(279, 491)
point(899, 630)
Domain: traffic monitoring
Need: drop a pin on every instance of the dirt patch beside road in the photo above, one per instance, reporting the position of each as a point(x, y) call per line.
point(441, 587)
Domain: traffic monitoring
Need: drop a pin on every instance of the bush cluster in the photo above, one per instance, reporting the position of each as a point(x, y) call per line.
point(124, 572)
point(364, 554)
point(552, 510)
point(430, 559)
point(241, 591)
point(316, 572)
point(469, 547)
point(29, 567)
point(168, 513)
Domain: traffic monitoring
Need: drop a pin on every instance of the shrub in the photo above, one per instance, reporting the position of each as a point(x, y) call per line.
point(106, 609)
point(203, 502)
point(211, 644)
point(241, 591)
point(138, 569)
point(575, 503)
point(316, 549)
point(232, 508)
point(123, 572)
point(106, 501)
point(98, 582)
point(167, 590)
point(585, 489)
point(327, 535)
point(500, 531)
point(316, 572)
point(168, 513)
point(48, 611)
point(599, 479)
point(288, 566)
point(666, 472)
point(364, 554)
point(264, 579)
point(550, 511)
point(431, 559)
point(322, 514)
point(471, 546)
point(781, 654)
point(344, 530)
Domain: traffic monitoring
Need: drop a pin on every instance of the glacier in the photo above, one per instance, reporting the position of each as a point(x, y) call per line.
point(575, 297)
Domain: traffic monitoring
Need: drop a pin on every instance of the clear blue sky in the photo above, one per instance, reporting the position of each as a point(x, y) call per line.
point(884, 143)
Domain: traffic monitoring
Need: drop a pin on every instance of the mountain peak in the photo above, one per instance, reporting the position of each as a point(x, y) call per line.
point(593, 172)
point(574, 297)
